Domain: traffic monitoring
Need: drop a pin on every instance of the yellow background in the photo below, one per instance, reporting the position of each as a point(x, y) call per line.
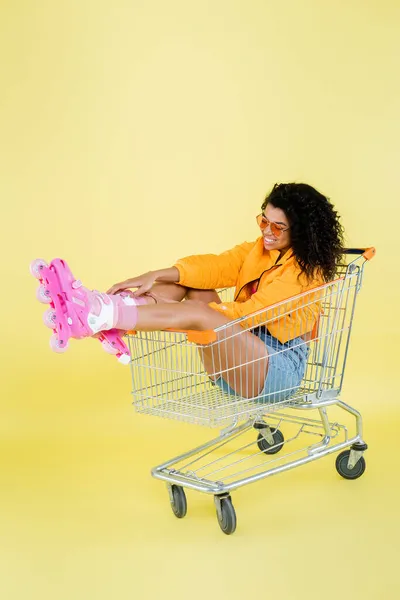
point(133, 133)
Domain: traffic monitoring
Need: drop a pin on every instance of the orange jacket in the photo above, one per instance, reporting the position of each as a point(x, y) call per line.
point(247, 267)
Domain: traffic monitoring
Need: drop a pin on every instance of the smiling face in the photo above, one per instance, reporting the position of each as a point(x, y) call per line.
point(275, 229)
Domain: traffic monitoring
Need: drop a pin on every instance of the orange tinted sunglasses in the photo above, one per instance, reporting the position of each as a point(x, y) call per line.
point(276, 229)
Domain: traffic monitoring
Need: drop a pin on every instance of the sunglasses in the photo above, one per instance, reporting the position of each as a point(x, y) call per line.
point(276, 229)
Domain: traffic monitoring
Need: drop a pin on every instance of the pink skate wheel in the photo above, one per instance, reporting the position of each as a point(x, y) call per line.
point(56, 345)
point(43, 295)
point(37, 267)
point(49, 318)
point(109, 348)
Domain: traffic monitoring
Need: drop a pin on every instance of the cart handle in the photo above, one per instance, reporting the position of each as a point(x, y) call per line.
point(367, 253)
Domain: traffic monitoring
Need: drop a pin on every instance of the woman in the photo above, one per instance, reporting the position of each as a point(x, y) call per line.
point(299, 248)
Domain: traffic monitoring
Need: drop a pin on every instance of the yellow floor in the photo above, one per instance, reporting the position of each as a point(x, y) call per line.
point(81, 518)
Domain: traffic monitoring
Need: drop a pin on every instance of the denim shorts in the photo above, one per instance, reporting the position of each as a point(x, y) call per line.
point(286, 367)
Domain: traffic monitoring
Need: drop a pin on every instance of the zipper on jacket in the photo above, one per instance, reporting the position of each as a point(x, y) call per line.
point(259, 279)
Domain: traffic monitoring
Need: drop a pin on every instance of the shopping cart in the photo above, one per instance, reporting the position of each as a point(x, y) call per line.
point(169, 381)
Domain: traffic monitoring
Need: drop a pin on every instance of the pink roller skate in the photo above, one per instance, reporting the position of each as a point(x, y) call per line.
point(69, 314)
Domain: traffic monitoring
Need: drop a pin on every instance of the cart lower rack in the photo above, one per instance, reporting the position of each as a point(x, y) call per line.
point(170, 380)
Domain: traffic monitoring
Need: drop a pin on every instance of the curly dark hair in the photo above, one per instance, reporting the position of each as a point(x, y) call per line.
point(316, 233)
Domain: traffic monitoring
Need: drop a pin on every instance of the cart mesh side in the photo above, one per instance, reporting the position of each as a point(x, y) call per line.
point(169, 379)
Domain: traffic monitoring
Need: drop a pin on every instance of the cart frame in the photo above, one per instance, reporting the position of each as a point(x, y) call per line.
point(229, 461)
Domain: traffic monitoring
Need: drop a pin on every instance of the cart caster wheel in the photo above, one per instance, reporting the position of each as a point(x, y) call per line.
point(37, 266)
point(178, 501)
point(267, 448)
point(58, 346)
point(343, 470)
point(226, 515)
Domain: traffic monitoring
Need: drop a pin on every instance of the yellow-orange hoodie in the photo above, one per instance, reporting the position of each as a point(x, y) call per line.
point(250, 267)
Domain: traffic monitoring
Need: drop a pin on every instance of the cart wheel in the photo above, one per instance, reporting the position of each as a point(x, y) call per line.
point(268, 448)
point(178, 501)
point(227, 516)
point(343, 470)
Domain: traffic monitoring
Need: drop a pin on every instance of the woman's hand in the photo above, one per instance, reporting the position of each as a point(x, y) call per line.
point(143, 283)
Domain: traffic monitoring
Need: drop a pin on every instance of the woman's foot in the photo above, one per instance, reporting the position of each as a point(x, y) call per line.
point(77, 311)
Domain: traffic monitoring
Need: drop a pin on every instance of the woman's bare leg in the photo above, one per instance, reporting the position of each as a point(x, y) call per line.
point(205, 296)
point(168, 292)
point(239, 356)
point(173, 292)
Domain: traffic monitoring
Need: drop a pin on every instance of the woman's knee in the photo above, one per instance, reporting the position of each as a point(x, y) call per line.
point(167, 292)
point(203, 317)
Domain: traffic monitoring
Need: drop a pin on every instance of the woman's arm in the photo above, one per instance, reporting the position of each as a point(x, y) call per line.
point(203, 271)
point(282, 288)
point(144, 282)
point(212, 271)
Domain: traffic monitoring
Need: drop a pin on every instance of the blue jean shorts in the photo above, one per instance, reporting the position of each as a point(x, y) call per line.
point(286, 367)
